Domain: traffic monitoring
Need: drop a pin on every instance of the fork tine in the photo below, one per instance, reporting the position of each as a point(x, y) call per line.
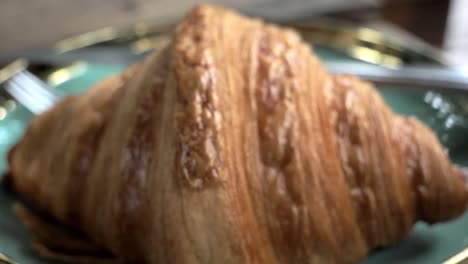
point(27, 100)
point(28, 88)
point(44, 88)
point(5, 259)
point(33, 88)
point(460, 258)
point(31, 92)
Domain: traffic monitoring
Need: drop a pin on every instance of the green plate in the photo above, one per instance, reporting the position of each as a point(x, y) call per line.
point(426, 244)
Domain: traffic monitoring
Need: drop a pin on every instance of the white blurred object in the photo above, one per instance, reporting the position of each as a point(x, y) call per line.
point(456, 37)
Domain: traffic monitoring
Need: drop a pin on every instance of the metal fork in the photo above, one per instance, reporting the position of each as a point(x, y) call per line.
point(6, 260)
point(460, 258)
point(31, 92)
point(27, 89)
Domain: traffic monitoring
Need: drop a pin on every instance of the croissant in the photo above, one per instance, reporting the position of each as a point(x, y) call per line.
point(232, 145)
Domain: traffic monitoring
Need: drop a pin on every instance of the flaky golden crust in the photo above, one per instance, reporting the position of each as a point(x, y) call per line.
point(234, 145)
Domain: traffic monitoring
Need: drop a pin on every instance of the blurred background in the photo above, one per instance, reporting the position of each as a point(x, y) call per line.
point(404, 45)
point(26, 24)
